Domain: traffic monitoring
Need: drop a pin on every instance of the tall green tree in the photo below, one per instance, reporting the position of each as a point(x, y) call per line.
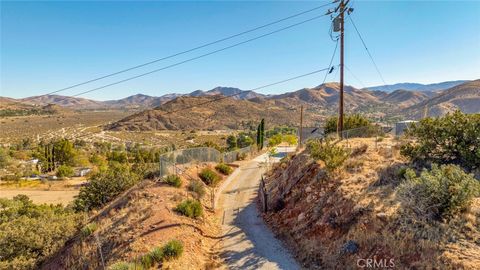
point(262, 133)
point(64, 153)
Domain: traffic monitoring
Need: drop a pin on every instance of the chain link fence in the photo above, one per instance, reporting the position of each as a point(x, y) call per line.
point(175, 161)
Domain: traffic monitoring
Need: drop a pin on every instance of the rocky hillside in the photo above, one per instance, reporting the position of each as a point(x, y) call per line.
point(464, 97)
point(211, 113)
point(227, 91)
point(332, 220)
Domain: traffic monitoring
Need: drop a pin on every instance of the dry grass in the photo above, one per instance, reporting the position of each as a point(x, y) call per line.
point(144, 218)
point(360, 204)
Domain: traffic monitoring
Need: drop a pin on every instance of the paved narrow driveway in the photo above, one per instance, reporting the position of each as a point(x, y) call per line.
point(247, 242)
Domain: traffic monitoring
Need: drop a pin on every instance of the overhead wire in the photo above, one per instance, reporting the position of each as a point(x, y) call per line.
point(198, 57)
point(366, 48)
point(190, 50)
point(355, 77)
point(330, 67)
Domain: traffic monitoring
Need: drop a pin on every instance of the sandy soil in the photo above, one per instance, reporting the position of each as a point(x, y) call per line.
point(42, 196)
point(62, 191)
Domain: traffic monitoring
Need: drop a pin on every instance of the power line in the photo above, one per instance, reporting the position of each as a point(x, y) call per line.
point(190, 50)
point(200, 56)
point(356, 78)
point(331, 61)
point(366, 48)
point(251, 90)
point(228, 96)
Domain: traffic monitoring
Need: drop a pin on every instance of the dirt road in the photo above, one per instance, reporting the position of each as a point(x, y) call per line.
point(247, 242)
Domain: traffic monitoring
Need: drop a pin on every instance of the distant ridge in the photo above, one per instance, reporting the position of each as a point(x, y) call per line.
point(417, 86)
point(464, 97)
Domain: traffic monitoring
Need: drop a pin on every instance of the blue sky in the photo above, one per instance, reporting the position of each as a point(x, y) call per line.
point(46, 46)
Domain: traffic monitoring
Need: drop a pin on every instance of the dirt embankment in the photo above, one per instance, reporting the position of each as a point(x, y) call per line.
point(141, 219)
point(353, 218)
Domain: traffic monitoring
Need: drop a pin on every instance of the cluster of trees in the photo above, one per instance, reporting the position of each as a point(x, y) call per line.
point(241, 140)
point(23, 112)
point(279, 138)
point(353, 121)
point(29, 232)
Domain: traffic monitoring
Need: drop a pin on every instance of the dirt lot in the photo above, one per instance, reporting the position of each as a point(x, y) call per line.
point(52, 192)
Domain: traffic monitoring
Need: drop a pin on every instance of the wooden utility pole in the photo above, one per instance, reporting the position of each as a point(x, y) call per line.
point(300, 135)
point(340, 105)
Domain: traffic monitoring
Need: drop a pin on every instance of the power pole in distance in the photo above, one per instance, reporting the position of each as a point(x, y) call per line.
point(339, 26)
point(301, 127)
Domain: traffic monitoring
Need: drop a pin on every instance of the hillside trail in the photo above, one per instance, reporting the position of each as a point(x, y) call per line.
point(247, 243)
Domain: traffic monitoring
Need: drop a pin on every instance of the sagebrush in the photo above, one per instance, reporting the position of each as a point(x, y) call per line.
point(439, 193)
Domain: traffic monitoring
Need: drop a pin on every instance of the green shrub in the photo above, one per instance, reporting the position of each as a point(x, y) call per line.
point(441, 192)
point(29, 233)
point(64, 171)
point(349, 122)
point(157, 254)
point(89, 229)
point(209, 177)
point(147, 261)
point(224, 168)
point(190, 208)
point(173, 180)
point(198, 188)
point(241, 156)
point(173, 249)
point(121, 266)
point(449, 139)
point(334, 156)
point(4, 158)
point(104, 186)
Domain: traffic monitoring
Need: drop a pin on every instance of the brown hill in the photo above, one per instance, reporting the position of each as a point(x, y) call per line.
point(64, 101)
point(326, 96)
point(226, 113)
point(464, 97)
point(404, 98)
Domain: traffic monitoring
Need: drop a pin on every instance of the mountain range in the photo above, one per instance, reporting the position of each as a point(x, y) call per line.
point(244, 106)
point(212, 112)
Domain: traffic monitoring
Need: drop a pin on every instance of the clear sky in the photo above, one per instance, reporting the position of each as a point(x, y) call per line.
point(46, 46)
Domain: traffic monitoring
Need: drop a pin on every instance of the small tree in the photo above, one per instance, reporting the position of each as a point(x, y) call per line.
point(231, 142)
point(104, 186)
point(64, 171)
point(453, 138)
point(64, 152)
point(349, 122)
